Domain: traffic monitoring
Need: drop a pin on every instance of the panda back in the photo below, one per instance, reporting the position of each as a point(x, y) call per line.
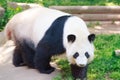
point(33, 23)
point(43, 23)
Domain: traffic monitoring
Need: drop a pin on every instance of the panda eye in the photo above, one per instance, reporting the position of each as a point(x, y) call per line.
point(87, 55)
point(71, 38)
point(76, 55)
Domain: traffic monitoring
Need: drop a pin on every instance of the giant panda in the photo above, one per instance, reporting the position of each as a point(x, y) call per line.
point(40, 33)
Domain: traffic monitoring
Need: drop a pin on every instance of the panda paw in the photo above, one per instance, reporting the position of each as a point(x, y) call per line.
point(19, 64)
point(48, 71)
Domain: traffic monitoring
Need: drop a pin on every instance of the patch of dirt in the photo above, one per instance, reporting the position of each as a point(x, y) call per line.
point(106, 28)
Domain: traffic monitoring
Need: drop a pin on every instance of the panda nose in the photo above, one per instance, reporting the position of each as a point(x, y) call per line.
point(81, 65)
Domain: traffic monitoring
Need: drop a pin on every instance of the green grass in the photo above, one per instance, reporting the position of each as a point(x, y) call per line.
point(69, 2)
point(81, 2)
point(9, 13)
point(47, 3)
point(105, 66)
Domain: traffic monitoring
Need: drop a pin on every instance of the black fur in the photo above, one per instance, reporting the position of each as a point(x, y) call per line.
point(87, 55)
point(71, 38)
point(23, 54)
point(76, 55)
point(50, 44)
point(79, 73)
point(28, 53)
point(17, 57)
point(91, 37)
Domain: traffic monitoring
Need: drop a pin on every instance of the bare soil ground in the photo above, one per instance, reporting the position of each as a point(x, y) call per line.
point(106, 28)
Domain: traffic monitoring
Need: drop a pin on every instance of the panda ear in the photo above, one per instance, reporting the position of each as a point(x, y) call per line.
point(91, 37)
point(71, 38)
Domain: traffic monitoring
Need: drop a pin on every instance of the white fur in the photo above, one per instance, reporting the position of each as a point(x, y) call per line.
point(44, 24)
point(32, 24)
point(77, 26)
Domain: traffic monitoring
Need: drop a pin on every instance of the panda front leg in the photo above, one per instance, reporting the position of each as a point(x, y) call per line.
point(42, 61)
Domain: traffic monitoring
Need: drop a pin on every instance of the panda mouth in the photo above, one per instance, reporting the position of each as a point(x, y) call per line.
point(81, 65)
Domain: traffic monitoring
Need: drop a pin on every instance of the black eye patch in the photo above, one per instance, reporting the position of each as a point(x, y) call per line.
point(76, 55)
point(87, 55)
point(71, 38)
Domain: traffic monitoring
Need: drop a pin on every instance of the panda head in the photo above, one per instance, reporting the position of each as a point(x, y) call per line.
point(81, 50)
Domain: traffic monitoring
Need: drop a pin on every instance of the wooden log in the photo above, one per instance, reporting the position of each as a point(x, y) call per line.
point(99, 17)
point(2, 10)
point(88, 9)
point(23, 5)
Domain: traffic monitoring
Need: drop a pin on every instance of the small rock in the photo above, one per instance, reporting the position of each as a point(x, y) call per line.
point(117, 52)
point(6, 52)
point(23, 5)
point(15, 5)
point(2, 10)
